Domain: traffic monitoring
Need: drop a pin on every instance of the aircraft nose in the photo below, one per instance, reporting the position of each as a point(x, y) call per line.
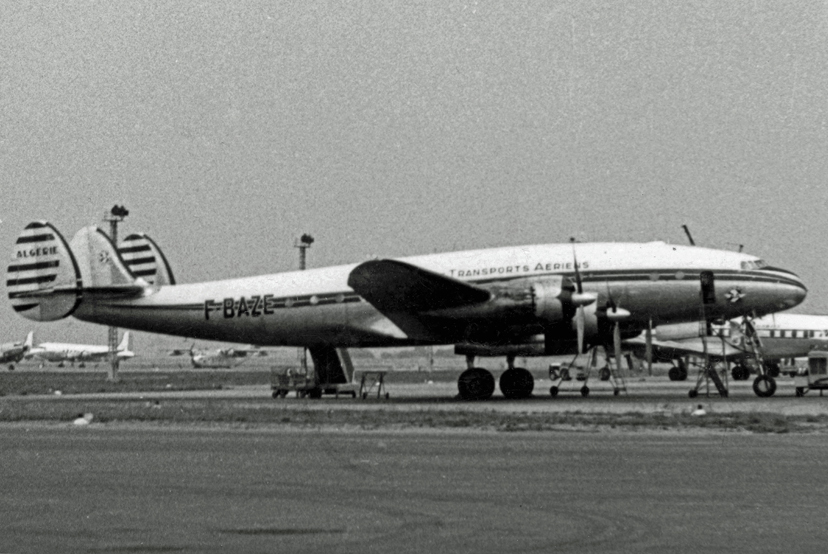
point(791, 291)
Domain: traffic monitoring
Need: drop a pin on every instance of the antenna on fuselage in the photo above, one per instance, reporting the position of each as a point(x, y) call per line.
point(689, 236)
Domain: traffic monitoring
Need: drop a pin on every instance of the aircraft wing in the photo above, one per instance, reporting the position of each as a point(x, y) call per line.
point(405, 293)
point(671, 349)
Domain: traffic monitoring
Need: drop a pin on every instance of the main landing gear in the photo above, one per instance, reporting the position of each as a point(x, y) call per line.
point(477, 383)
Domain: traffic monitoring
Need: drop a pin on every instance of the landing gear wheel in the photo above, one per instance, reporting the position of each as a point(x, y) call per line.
point(476, 384)
point(553, 391)
point(740, 373)
point(693, 393)
point(605, 374)
point(11, 367)
point(585, 391)
point(315, 393)
point(677, 374)
point(764, 386)
point(517, 383)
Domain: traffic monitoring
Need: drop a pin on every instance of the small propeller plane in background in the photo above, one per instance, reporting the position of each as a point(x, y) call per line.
point(221, 358)
point(491, 302)
point(60, 352)
point(12, 352)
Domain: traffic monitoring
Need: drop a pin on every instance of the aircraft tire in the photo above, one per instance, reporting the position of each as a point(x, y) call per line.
point(764, 386)
point(740, 373)
point(476, 384)
point(315, 393)
point(553, 391)
point(693, 393)
point(585, 391)
point(517, 383)
point(605, 374)
point(11, 367)
point(677, 374)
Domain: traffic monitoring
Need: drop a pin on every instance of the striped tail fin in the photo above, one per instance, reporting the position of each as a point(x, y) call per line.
point(43, 278)
point(144, 259)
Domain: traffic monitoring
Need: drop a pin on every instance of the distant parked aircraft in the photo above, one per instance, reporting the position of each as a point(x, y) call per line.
point(221, 358)
point(60, 353)
point(781, 336)
point(13, 352)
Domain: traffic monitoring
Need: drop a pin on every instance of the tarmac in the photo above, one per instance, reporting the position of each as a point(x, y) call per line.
point(138, 488)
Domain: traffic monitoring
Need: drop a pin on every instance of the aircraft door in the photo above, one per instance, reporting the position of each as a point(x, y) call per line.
point(708, 288)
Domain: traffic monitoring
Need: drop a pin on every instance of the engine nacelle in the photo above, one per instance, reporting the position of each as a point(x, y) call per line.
point(546, 297)
point(679, 331)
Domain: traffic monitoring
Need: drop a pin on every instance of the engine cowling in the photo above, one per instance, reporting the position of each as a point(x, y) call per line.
point(546, 298)
point(678, 331)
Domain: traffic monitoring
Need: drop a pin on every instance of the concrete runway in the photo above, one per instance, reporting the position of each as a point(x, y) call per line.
point(124, 488)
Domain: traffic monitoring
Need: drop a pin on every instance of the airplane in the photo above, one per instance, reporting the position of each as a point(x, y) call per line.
point(781, 336)
point(12, 352)
point(60, 353)
point(487, 302)
point(222, 358)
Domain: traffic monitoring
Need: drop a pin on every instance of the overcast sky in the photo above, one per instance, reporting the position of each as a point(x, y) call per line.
point(396, 128)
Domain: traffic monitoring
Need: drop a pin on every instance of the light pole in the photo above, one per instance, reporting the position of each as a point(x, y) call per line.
point(115, 216)
point(303, 243)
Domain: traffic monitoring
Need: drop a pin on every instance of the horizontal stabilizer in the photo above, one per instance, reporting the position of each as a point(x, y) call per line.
point(43, 278)
point(145, 260)
point(392, 286)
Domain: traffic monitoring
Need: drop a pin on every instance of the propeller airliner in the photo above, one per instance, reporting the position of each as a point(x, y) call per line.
point(490, 302)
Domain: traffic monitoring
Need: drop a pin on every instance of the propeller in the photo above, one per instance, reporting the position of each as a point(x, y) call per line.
point(616, 315)
point(580, 299)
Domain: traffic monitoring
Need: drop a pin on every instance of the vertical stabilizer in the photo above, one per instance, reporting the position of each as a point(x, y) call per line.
point(101, 265)
point(145, 260)
point(29, 341)
point(43, 279)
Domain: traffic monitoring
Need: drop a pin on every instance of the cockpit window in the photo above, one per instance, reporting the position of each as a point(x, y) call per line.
point(753, 264)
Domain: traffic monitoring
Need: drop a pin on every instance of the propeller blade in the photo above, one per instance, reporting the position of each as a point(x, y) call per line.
point(648, 351)
point(579, 327)
point(616, 342)
point(578, 285)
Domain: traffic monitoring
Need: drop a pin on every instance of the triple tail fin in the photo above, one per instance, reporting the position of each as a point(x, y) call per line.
point(144, 259)
point(29, 341)
point(47, 278)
